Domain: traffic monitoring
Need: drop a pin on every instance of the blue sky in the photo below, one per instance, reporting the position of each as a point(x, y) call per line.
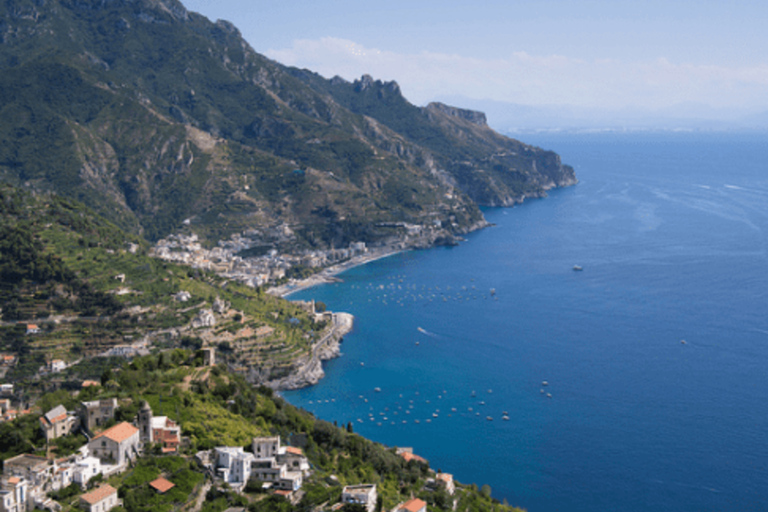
point(589, 54)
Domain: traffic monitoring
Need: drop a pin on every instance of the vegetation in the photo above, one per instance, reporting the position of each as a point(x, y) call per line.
point(217, 408)
point(61, 261)
point(153, 116)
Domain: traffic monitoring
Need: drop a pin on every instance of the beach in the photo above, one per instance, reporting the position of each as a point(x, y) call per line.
point(328, 274)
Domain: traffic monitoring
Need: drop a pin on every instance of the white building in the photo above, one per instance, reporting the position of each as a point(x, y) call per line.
point(364, 494)
point(100, 500)
point(264, 447)
point(85, 469)
point(13, 494)
point(118, 444)
point(233, 465)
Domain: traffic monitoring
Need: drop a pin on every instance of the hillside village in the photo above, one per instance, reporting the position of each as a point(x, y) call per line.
point(131, 457)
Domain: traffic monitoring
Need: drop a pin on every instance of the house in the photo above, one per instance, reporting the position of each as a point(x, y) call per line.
point(364, 494)
point(166, 432)
point(234, 465)
point(282, 466)
point(158, 429)
point(447, 479)
point(13, 494)
point(85, 469)
point(412, 505)
point(6, 389)
point(33, 469)
point(270, 471)
point(408, 455)
point(264, 447)
point(161, 485)
point(57, 423)
point(57, 365)
point(294, 459)
point(97, 413)
point(100, 500)
point(89, 383)
point(117, 444)
point(33, 329)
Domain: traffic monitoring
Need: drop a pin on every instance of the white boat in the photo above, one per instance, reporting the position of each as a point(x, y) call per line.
point(578, 268)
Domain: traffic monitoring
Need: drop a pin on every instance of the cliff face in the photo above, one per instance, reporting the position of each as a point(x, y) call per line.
point(456, 145)
point(163, 121)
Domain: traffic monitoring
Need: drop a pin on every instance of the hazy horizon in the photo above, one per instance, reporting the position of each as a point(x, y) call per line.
point(699, 65)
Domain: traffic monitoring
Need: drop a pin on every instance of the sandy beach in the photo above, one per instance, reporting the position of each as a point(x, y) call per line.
point(328, 275)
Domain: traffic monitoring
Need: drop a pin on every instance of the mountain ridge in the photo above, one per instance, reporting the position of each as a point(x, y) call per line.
point(164, 121)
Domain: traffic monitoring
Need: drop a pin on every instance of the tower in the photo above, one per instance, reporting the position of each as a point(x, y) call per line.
point(145, 423)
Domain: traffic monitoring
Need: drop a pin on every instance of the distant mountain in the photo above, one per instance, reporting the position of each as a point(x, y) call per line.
point(161, 120)
point(514, 118)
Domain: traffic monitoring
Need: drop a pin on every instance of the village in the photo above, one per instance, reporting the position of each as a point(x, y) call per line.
point(114, 447)
point(253, 257)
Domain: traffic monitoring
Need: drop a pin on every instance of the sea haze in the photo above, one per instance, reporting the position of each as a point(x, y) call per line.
point(655, 354)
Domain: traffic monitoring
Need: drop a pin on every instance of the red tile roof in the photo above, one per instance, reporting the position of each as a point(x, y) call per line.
point(99, 494)
point(294, 450)
point(162, 485)
point(119, 432)
point(409, 457)
point(14, 480)
point(413, 505)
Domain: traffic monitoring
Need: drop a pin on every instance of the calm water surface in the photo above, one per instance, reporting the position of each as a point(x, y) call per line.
point(671, 232)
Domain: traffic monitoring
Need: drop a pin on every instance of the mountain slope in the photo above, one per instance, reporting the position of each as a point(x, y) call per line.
point(89, 287)
point(153, 116)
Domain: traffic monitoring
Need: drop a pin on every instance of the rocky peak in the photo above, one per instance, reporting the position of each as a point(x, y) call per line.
point(367, 82)
point(473, 116)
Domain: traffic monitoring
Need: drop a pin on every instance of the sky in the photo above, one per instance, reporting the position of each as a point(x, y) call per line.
point(619, 55)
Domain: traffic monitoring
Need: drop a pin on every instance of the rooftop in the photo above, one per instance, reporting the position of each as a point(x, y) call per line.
point(294, 450)
point(99, 494)
point(162, 485)
point(119, 432)
point(413, 505)
point(26, 461)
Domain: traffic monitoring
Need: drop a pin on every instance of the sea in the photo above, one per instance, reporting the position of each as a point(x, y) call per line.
point(637, 383)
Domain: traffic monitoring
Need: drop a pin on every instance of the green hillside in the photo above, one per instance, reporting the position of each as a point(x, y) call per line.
point(89, 287)
point(153, 115)
point(217, 408)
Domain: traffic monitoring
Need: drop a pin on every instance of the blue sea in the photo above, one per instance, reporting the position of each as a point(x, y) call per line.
point(655, 355)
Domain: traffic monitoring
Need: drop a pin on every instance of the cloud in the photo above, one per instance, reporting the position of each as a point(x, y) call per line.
point(536, 79)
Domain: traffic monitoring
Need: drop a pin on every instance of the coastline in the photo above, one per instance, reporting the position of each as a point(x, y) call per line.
point(328, 274)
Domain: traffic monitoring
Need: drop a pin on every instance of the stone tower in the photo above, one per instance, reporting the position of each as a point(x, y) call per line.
point(145, 423)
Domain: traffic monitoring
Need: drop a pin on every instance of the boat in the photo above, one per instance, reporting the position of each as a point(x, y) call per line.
point(489, 418)
point(505, 417)
point(578, 268)
point(378, 390)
